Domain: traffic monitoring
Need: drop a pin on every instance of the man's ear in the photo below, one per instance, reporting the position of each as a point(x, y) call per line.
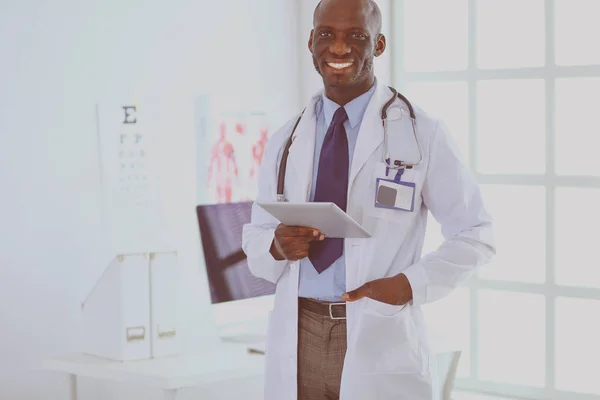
point(310, 40)
point(380, 45)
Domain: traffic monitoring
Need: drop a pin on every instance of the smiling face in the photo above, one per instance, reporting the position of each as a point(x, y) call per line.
point(345, 39)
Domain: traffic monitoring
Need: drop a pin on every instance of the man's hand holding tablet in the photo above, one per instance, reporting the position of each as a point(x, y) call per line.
point(292, 242)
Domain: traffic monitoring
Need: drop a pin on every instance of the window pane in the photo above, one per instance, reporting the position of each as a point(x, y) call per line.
point(577, 345)
point(577, 133)
point(522, 245)
point(577, 222)
point(577, 32)
point(435, 41)
point(511, 127)
point(448, 322)
point(510, 33)
point(512, 338)
point(448, 101)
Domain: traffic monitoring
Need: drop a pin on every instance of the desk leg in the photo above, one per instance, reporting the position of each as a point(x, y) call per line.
point(73, 387)
point(170, 394)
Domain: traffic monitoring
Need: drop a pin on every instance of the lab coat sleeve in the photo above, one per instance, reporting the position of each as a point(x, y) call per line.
point(258, 235)
point(453, 196)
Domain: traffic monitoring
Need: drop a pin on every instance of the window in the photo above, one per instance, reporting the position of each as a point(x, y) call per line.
point(517, 83)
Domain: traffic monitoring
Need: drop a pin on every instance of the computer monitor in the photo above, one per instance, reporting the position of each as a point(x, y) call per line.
point(226, 265)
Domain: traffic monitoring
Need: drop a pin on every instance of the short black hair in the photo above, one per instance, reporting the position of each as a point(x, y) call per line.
point(375, 13)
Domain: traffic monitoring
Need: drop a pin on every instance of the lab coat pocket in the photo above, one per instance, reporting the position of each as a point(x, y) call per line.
point(387, 341)
point(384, 308)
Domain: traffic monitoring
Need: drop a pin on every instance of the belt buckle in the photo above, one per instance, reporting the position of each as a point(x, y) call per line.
point(331, 310)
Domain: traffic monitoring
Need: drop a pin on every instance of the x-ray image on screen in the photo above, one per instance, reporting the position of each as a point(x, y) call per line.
point(221, 234)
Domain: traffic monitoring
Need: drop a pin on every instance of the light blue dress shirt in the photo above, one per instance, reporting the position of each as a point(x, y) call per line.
point(331, 283)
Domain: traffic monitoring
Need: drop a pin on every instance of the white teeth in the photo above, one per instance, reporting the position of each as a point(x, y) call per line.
point(339, 65)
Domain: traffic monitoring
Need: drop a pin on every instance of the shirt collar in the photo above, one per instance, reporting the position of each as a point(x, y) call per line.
point(355, 108)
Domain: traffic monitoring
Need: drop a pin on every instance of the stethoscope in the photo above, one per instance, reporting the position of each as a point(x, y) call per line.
point(397, 165)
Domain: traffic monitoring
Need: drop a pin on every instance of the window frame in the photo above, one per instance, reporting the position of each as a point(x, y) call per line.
point(550, 72)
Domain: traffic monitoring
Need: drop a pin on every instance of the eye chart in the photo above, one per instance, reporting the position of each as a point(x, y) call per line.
point(135, 181)
point(130, 161)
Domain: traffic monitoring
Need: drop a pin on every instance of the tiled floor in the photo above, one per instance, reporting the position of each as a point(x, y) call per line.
point(476, 396)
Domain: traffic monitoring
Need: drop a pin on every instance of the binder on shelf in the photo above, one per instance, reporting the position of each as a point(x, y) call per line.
point(131, 312)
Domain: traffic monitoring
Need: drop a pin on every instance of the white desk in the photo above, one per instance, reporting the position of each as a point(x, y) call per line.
point(231, 363)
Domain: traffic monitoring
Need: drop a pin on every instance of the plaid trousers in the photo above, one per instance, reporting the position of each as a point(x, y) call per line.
point(321, 352)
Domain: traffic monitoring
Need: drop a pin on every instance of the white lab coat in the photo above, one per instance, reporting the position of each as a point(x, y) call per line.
point(388, 355)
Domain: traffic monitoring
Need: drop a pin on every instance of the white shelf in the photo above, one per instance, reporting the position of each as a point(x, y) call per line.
point(228, 362)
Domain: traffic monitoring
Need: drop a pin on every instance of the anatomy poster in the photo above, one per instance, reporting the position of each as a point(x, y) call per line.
point(231, 142)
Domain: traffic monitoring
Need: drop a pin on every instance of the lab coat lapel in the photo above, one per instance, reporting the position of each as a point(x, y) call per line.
point(301, 155)
point(370, 136)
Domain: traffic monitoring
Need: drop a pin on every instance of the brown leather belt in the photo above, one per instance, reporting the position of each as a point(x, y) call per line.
point(323, 308)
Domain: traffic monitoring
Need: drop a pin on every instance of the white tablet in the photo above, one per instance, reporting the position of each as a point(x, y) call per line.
point(326, 217)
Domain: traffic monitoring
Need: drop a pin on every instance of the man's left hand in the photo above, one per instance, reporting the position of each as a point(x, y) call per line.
point(395, 290)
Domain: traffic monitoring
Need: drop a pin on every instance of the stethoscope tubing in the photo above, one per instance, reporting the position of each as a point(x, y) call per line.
point(397, 164)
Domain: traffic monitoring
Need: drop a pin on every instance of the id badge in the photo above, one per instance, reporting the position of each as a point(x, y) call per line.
point(395, 194)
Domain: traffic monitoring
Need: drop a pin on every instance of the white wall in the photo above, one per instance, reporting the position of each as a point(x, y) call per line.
point(311, 80)
point(57, 58)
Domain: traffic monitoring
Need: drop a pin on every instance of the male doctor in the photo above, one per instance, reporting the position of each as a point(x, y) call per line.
point(347, 320)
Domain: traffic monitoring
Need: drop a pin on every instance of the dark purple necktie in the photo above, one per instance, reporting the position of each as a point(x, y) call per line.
point(332, 186)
